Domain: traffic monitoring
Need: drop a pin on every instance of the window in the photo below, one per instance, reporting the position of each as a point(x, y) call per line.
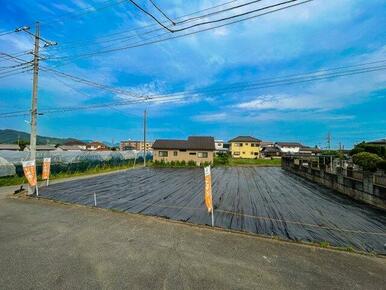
point(256, 153)
point(202, 154)
point(182, 150)
point(241, 144)
point(175, 153)
point(246, 144)
point(243, 152)
point(237, 153)
point(163, 153)
point(192, 153)
point(252, 144)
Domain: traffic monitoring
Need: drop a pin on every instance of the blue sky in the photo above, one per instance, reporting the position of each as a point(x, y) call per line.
point(318, 35)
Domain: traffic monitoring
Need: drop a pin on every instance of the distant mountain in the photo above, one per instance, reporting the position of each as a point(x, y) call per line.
point(12, 136)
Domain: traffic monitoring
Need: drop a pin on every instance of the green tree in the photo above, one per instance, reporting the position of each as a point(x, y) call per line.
point(368, 161)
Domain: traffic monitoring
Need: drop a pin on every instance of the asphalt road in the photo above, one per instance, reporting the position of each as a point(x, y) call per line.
point(46, 245)
point(267, 201)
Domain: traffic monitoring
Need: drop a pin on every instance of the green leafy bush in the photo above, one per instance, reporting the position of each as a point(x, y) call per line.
point(368, 161)
point(380, 150)
point(221, 159)
point(191, 163)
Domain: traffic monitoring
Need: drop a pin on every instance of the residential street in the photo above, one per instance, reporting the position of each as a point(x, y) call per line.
point(47, 245)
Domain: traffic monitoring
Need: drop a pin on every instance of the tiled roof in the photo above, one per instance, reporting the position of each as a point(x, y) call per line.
point(378, 142)
point(74, 143)
point(244, 139)
point(9, 147)
point(193, 143)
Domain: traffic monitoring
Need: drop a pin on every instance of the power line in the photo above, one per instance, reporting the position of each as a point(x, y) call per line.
point(140, 44)
point(183, 95)
point(150, 15)
point(163, 13)
point(146, 26)
point(7, 32)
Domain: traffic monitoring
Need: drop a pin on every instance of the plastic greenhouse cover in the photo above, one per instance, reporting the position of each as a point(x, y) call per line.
point(6, 168)
point(267, 201)
point(16, 157)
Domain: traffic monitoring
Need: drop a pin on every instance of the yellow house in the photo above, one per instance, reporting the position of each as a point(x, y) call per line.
point(245, 147)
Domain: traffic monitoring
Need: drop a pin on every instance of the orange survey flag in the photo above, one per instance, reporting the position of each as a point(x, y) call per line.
point(30, 172)
point(46, 168)
point(208, 189)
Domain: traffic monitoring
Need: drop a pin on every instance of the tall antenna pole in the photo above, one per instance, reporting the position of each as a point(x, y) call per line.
point(329, 140)
point(34, 104)
point(144, 138)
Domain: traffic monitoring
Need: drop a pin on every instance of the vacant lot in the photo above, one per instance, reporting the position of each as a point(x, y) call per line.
point(265, 201)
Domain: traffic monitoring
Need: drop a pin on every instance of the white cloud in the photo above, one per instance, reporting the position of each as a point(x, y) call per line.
point(215, 117)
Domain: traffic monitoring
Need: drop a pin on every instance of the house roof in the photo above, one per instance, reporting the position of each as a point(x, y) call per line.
point(96, 143)
point(70, 147)
point(266, 143)
point(244, 139)
point(41, 147)
point(270, 150)
point(193, 143)
point(9, 147)
point(75, 143)
point(309, 149)
point(289, 144)
point(378, 142)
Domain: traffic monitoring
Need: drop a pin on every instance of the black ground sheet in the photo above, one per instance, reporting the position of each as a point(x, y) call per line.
point(268, 201)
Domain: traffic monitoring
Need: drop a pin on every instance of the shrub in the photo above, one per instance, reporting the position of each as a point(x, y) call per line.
point(205, 164)
point(380, 150)
point(221, 159)
point(368, 161)
point(191, 163)
point(172, 164)
point(183, 163)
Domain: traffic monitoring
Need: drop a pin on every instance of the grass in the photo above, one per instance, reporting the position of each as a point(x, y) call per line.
point(254, 162)
point(16, 180)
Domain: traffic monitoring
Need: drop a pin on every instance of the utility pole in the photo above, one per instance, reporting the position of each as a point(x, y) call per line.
point(329, 140)
point(34, 104)
point(144, 138)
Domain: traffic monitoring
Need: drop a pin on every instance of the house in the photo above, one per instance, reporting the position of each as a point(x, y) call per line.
point(134, 145)
point(75, 143)
point(378, 142)
point(70, 148)
point(11, 147)
point(221, 147)
point(308, 150)
point(270, 151)
point(264, 144)
point(288, 147)
point(96, 146)
point(43, 148)
point(245, 147)
point(199, 149)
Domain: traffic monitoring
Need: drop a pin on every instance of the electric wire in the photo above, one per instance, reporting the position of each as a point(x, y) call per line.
point(162, 12)
point(73, 57)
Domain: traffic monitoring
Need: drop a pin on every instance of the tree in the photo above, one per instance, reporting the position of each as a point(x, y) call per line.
point(368, 161)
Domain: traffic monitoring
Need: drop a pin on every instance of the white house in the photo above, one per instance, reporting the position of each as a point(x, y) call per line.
point(289, 147)
point(220, 146)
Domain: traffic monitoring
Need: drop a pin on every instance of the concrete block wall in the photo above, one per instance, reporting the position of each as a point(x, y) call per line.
point(363, 190)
